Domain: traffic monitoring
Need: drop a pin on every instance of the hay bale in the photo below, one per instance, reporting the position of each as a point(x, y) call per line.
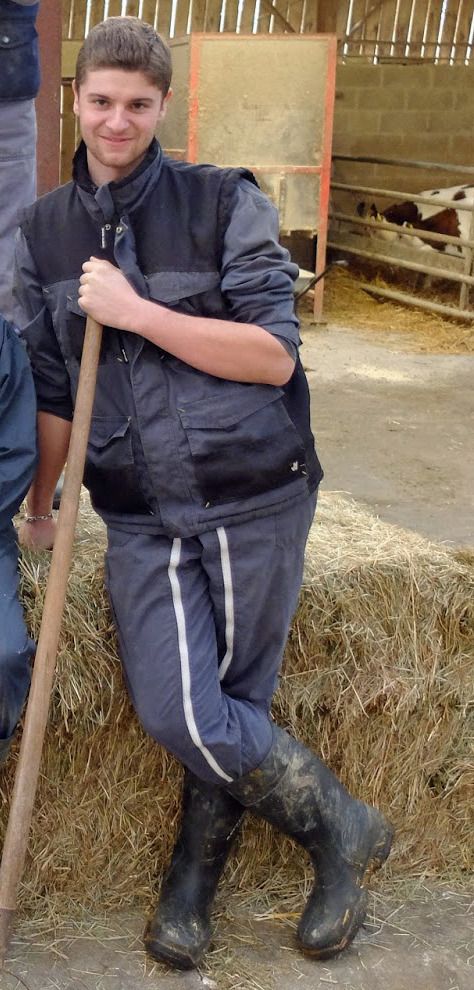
point(377, 677)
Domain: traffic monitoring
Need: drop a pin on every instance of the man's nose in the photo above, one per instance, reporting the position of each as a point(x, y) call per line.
point(117, 120)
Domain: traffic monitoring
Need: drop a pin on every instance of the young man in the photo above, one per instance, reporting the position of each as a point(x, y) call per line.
point(17, 464)
point(201, 461)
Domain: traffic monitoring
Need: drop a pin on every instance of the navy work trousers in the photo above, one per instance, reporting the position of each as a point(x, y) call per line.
point(202, 625)
point(16, 648)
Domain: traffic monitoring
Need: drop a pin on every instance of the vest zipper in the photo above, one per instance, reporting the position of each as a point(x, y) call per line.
point(103, 235)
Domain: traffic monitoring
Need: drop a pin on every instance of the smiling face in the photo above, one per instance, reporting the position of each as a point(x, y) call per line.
point(119, 112)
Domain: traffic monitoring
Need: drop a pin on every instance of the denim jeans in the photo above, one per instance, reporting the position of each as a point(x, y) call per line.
point(17, 185)
point(16, 648)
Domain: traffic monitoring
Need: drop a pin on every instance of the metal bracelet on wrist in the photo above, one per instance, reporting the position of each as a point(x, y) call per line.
point(32, 519)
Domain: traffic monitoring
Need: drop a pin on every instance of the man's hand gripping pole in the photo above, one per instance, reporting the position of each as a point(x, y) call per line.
point(16, 838)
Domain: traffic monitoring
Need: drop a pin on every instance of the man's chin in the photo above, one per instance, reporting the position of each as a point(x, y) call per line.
point(114, 159)
point(117, 153)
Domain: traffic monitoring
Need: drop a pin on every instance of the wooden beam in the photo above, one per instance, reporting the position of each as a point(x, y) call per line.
point(48, 99)
point(326, 17)
point(363, 20)
point(70, 51)
point(278, 17)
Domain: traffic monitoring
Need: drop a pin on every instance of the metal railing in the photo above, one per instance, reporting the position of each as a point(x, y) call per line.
point(398, 253)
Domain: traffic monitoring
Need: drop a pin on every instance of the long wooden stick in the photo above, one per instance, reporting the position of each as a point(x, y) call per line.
point(26, 779)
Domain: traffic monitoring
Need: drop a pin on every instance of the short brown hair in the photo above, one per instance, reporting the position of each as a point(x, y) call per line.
point(126, 43)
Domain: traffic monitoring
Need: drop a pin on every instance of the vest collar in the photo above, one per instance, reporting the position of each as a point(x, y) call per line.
point(115, 198)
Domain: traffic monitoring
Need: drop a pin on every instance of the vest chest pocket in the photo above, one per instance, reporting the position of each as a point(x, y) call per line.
point(194, 293)
point(19, 69)
point(110, 473)
point(242, 442)
point(72, 341)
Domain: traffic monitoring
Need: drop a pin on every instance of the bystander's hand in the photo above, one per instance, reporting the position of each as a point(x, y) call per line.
point(37, 535)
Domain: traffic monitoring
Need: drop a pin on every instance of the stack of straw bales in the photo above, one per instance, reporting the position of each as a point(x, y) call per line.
point(377, 678)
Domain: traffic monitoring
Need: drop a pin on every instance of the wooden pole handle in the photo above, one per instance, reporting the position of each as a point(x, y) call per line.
point(16, 838)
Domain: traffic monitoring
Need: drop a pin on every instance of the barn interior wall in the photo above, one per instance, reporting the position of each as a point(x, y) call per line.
point(423, 112)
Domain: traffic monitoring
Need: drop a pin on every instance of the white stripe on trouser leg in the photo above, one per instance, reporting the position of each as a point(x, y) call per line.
point(184, 661)
point(228, 602)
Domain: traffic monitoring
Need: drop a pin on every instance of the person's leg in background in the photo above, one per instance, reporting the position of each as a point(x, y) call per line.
point(16, 649)
point(17, 465)
point(17, 185)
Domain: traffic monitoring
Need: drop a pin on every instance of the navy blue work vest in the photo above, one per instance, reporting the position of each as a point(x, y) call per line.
point(178, 228)
point(19, 53)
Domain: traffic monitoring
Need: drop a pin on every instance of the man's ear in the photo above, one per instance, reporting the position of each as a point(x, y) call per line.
point(75, 105)
point(164, 104)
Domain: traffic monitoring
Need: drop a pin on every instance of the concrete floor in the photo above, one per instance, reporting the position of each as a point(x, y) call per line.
point(421, 942)
point(395, 431)
point(395, 428)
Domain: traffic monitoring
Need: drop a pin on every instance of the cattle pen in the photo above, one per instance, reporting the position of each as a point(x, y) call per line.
point(355, 235)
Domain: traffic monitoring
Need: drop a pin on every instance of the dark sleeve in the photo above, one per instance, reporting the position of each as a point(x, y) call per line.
point(53, 392)
point(17, 423)
point(257, 273)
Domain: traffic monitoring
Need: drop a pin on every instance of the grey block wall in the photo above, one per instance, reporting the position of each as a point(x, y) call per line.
point(423, 112)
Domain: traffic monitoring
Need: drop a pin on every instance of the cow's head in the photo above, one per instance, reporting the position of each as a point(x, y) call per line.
point(406, 213)
point(364, 210)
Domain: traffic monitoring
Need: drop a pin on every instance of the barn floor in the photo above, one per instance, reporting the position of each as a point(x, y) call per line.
point(395, 426)
point(394, 429)
point(421, 942)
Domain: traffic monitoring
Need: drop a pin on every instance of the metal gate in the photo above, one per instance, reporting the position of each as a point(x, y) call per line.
point(349, 233)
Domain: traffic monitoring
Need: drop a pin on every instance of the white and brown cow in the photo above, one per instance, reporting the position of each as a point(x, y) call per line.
point(423, 216)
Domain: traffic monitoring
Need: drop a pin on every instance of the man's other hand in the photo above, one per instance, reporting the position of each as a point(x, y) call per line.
point(37, 535)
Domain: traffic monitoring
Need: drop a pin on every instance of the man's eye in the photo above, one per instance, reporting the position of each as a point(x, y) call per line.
point(138, 106)
point(100, 103)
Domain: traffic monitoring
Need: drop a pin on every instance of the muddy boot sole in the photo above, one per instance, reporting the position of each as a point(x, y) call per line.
point(175, 953)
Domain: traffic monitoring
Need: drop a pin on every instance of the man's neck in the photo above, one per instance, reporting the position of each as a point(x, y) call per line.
point(101, 174)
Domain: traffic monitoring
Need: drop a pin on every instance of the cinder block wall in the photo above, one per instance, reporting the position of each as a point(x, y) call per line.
point(423, 112)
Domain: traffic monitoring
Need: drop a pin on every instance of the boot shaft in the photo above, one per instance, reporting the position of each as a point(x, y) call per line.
point(297, 793)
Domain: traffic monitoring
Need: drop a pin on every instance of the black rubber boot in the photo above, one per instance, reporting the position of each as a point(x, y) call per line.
point(346, 839)
point(180, 930)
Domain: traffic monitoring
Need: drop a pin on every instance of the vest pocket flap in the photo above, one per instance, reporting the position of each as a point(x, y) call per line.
point(105, 429)
point(224, 410)
point(169, 287)
point(242, 443)
point(72, 306)
point(12, 35)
